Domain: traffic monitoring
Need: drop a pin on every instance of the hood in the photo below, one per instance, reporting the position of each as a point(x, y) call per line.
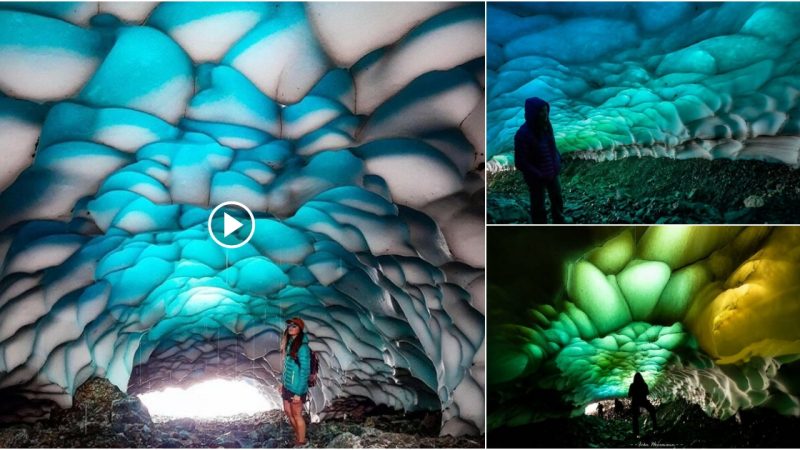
point(532, 107)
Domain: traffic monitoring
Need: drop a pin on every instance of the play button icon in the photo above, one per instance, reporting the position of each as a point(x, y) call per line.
point(230, 225)
point(235, 217)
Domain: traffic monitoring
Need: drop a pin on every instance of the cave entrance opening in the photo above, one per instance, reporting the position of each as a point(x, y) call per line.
point(208, 399)
point(603, 408)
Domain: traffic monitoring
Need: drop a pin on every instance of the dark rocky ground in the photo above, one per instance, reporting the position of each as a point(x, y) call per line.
point(659, 190)
point(680, 425)
point(104, 417)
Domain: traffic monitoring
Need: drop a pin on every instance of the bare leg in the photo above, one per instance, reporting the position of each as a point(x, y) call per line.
point(287, 408)
point(300, 429)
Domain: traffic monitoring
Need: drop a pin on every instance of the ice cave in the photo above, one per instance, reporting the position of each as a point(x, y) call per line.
point(708, 316)
point(355, 134)
point(679, 112)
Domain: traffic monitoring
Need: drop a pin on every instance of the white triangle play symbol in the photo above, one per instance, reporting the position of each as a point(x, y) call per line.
point(231, 225)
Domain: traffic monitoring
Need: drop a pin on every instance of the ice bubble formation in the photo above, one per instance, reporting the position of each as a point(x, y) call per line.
point(353, 131)
point(707, 314)
point(677, 80)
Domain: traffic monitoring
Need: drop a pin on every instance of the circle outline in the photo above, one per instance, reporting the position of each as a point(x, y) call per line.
point(241, 206)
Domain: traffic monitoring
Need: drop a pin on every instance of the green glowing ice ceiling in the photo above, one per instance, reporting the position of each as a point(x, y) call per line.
point(708, 314)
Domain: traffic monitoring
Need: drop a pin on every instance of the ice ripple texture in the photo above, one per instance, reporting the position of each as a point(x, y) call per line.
point(705, 314)
point(677, 80)
point(353, 131)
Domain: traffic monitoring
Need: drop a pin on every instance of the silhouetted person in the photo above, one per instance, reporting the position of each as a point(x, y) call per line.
point(536, 156)
point(600, 410)
point(618, 409)
point(638, 393)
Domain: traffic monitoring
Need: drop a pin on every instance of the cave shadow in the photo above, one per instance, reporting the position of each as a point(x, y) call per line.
point(681, 425)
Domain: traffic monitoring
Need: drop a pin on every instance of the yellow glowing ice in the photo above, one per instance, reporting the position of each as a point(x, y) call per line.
point(756, 311)
point(737, 289)
point(612, 256)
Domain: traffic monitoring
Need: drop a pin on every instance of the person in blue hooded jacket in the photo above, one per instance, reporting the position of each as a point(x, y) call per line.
point(296, 370)
point(536, 156)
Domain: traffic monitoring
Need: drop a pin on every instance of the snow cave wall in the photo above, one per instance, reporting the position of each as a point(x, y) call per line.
point(678, 80)
point(707, 314)
point(353, 131)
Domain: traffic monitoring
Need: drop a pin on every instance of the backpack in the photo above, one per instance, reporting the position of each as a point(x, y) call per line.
point(312, 377)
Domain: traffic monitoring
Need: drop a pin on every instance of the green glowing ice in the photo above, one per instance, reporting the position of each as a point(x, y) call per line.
point(586, 328)
point(705, 313)
point(614, 254)
point(598, 297)
point(678, 246)
point(642, 283)
point(679, 292)
point(604, 367)
point(507, 363)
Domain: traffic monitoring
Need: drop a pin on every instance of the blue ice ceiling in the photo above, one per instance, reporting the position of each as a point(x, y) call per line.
point(353, 131)
point(678, 80)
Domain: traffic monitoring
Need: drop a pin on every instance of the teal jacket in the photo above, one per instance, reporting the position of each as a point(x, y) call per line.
point(295, 377)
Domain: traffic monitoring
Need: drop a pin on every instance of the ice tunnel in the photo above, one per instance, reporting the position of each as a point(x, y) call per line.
point(354, 132)
point(680, 80)
point(708, 315)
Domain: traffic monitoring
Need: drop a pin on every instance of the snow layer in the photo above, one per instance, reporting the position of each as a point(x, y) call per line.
point(352, 131)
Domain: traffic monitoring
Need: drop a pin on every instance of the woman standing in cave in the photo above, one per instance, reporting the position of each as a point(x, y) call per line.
point(296, 370)
point(638, 392)
point(536, 156)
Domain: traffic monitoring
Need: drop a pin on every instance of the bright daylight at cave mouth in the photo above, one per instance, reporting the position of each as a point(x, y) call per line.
point(208, 399)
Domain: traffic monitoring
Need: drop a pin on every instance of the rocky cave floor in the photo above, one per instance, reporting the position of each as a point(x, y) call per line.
point(104, 417)
point(659, 190)
point(680, 425)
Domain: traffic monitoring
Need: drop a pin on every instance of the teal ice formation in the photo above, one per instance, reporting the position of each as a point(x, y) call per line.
point(678, 80)
point(353, 131)
point(707, 315)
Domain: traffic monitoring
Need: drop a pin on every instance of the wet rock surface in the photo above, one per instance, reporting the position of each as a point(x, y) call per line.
point(103, 416)
point(659, 190)
point(680, 425)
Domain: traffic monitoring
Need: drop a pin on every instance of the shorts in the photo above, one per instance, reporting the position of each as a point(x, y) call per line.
point(288, 395)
